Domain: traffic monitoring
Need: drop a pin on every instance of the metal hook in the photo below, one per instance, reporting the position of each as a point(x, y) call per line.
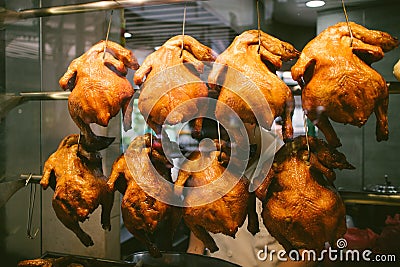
point(32, 196)
point(108, 33)
point(183, 30)
point(348, 25)
point(259, 29)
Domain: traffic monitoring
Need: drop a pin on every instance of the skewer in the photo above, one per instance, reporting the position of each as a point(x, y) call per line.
point(183, 29)
point(259, 28)
point(347, 21)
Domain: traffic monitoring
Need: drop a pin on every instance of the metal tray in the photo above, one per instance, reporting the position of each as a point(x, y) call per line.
point(174, 259)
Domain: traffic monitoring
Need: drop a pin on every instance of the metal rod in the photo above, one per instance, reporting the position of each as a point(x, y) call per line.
point(258, 28)
point(108, 33)
point(10, 16)
point(183, 30)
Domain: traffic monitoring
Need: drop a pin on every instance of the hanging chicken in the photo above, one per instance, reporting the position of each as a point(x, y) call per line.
point(99, 89)
point(301, 207)
point(232, 203)
point(334, 70)
point(250, 86)
point(170, 94)
point(79, 186)
point(147, 217)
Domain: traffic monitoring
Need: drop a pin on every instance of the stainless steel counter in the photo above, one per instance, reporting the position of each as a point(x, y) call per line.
point(370, 198)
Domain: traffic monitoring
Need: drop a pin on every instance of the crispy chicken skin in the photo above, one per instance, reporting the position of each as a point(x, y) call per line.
point(338, 81)
point(160, 97)
point(99, 89)
point(79, 186)
point(144, 215)
point(301, 208)
point(241, 69)
point(224, 215)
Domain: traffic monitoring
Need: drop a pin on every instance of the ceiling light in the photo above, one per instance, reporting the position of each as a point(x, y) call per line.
point(314, 3)
point(127, 34)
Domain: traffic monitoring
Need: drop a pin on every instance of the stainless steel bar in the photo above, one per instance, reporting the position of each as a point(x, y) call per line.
point(45, 95)
point(9, 16)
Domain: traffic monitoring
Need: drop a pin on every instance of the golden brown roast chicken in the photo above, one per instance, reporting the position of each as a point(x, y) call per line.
point(99, 89)
point(232, 203)
point(301, 207)
point(79, 185)
point(170, 94)
point(147, 217)
point(338, 81)
point(250, 86)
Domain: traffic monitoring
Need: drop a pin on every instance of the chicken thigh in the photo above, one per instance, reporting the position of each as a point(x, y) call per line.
point(334, 70)
point(172, 89)
point(144, 215)
point(99, 89)
point(79, 186)
point(301, 208)
point(250, 86)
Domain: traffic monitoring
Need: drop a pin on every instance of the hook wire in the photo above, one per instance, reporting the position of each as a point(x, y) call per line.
point(347, 21)
point(306, 131)
point(32, 196)
point(258, 28)
point(183, 29)
point(108, 33)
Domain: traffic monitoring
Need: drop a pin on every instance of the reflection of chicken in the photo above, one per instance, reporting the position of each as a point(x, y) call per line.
point(79, 186)
point(396, 70)
point(143, 214)
point(250, 86)
point(301, 208)
point(174, 83)
point(338, 81)
point(99, 90)
point(224, 215)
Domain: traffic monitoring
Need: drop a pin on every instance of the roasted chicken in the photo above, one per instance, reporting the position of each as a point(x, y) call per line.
point(250, 86)
point(220, 200)
point(170, 94)
point(141, 174)
point(99, 89)
point(301, 207)
point(79, 186)
point(338, 82)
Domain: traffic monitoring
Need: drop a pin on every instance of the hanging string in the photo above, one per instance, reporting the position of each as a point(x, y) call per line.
point(183, 29)
point(259, 28)
point(32, 196)
point(347, 21)
point(108, 33)
point(306, 131)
